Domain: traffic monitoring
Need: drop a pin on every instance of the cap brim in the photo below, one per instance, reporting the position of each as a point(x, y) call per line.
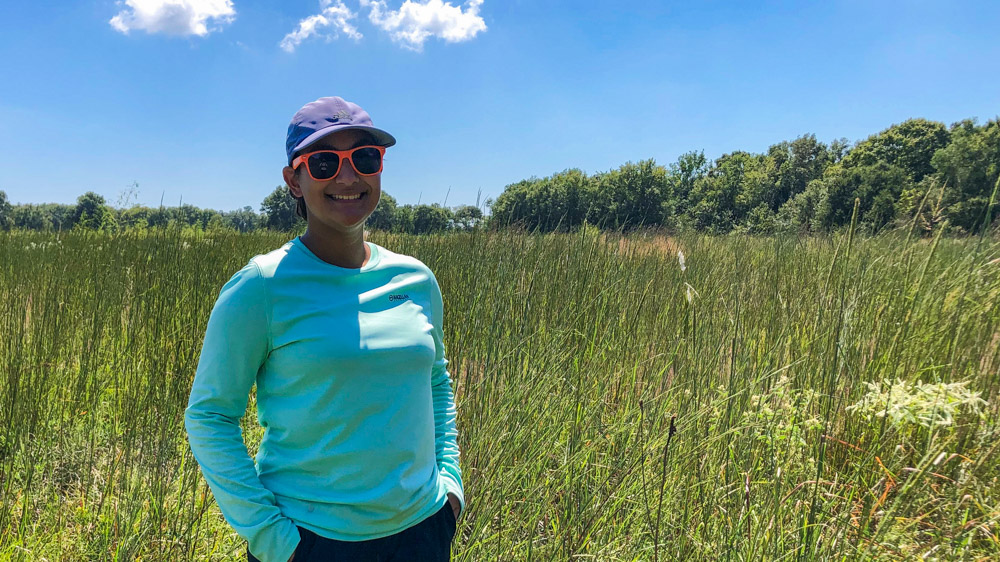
point(382, 138)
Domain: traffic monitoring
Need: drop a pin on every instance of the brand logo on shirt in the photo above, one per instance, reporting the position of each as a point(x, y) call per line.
point(398, 297)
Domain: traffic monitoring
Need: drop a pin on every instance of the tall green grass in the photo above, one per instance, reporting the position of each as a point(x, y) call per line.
point(571, 355)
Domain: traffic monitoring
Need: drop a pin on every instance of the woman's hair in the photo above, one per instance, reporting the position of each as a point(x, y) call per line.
point(300, 202)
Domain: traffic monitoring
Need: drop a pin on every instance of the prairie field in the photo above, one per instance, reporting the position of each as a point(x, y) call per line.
point(619, 397)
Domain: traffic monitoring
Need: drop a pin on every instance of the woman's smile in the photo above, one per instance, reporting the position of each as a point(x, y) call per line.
point(347, 197)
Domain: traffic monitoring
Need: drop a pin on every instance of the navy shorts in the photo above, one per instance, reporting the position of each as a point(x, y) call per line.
point(427, 541)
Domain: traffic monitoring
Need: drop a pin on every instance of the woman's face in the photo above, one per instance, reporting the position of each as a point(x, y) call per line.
point(338, 214)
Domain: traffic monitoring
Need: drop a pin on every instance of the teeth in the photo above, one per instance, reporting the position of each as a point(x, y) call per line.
point(356, 196)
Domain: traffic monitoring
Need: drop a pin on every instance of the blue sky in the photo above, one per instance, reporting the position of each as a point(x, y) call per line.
point(193, 101)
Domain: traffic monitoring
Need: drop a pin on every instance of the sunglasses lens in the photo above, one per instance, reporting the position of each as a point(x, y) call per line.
point(324, 165)
point(367, 160)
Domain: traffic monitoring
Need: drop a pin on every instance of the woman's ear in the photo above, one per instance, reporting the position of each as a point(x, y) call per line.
point(292, 181)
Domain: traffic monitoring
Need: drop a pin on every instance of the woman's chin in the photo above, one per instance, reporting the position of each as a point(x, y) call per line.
point(346, 221)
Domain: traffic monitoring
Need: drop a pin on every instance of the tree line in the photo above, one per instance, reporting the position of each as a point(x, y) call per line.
point(917, 171)
point(277, 212)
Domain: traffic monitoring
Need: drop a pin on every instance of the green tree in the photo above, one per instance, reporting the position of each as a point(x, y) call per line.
point(242, 220)
point(799, 214)
point(731, 188)
point(922, 203)
point(760, 220)
point(30, 217)
point(219, 222)
point(92, 213)
point(279, 210)
point(794, 165)
point(383, 217)
point(560, 202)
point(208, 216)
point(909, 146)
point(759, 186)
point(403, 219)
point(682, 176)
point(430, 218)
point(467, 217)
point(59, 215)
point(6, 212)
point(517, 205)
point(968, 168)
point(878, 188)
point(838, 149)
point(188, 214)
point(159, 217)
point(629, 197)
point(134, 217)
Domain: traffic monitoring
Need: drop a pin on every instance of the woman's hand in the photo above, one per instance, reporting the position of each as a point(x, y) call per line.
point(292, 557)
point(456, 506)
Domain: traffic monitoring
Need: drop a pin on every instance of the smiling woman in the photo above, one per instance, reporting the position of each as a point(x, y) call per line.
point(344, 341)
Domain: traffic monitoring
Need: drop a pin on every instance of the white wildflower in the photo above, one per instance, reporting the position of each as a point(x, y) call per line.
point(925, 404)
point(691, 293)
point(680, 258)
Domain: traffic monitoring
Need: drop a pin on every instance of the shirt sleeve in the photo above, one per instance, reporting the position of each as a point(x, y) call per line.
point(445, 428)
point(236, 344)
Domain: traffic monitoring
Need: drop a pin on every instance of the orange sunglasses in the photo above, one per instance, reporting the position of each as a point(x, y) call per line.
point(324, 165)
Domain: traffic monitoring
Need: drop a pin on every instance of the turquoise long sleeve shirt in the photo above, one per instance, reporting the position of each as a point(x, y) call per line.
point(353, 393)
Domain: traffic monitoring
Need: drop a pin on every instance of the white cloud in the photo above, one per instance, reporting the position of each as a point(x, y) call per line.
point(335, 15)
point(173, 17)
point(415, 21)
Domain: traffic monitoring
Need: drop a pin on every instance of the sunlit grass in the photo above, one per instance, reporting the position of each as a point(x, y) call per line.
point(570, 355)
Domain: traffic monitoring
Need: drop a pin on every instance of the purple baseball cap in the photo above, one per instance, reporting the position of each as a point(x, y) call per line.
point(328, 115)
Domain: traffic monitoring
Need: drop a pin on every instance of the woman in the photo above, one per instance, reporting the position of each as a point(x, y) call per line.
point(343, 338)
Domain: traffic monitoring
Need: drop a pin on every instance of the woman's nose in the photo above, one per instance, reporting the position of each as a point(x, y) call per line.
point(346, 175)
